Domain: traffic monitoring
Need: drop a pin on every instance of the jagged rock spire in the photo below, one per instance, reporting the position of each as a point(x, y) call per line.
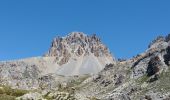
point(77, 44)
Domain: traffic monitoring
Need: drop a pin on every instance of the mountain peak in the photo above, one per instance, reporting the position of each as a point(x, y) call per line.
point(80, 53)
point(77, 34)
point(77, 44)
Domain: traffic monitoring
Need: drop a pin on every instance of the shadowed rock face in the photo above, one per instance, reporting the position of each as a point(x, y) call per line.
point(153, 66)
point(167, 56)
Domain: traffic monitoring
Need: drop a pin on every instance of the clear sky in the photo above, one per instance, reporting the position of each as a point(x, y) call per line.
point(27, 27)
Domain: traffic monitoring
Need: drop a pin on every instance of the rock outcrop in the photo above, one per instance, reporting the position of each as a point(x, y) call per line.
point(153, 66)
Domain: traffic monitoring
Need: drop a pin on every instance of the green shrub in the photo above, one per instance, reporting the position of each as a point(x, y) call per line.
point(93, 98)
point(9, 92)
point(17, 92)
point(6, 97)
point(2, 90)
point(143, 79)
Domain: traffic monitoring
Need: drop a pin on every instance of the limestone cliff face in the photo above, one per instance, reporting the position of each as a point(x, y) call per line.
point(77, 44)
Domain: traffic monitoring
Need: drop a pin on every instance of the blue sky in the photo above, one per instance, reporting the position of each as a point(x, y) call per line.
point(27, 27)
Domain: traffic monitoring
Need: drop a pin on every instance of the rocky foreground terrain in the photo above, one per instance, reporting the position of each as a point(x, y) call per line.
point(81, 67)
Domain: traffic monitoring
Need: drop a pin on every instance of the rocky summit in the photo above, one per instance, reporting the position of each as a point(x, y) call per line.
point(78, 53)
point(81, 67)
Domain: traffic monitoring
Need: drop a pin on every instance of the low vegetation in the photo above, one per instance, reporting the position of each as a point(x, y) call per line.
point(7, 93)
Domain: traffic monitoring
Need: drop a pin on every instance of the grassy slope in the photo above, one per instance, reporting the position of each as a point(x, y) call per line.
point(7, 93)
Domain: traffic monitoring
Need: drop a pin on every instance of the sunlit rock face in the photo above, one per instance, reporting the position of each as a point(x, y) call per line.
point(77, 44)
point(78, 53)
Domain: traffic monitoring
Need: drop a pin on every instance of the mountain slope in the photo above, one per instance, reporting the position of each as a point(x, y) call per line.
point(75, 54)
point(80, 67)
point(144, 77)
